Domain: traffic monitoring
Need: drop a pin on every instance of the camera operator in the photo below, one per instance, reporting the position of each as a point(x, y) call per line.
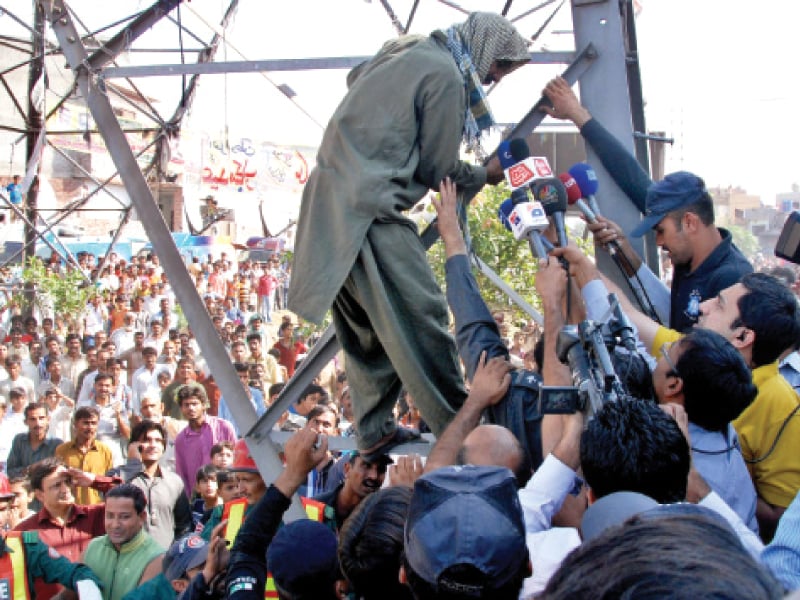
point(705, 375)
point(759, 316)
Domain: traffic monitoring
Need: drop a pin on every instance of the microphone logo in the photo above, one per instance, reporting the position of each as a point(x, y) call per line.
point(547, 193)
point(519, 174)
point(542, 167)
point(514, 218)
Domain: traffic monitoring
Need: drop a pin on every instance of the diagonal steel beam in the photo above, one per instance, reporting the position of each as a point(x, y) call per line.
point(126, 36)
point(263, 451)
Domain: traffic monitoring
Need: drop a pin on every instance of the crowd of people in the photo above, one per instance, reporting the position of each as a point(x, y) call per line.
point(124, 474)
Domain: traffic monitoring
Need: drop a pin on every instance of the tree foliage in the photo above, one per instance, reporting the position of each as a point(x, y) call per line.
point(496, 246)
point(65, 294)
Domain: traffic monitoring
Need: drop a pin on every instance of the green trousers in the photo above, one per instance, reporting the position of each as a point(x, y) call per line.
point(392, 322)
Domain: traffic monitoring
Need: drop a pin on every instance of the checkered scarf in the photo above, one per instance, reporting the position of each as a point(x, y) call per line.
point(475, 45)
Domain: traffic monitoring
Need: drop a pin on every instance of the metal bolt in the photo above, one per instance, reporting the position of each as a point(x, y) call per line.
point(71, 39)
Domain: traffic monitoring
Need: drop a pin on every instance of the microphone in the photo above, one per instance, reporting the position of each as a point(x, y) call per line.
point(526, 220)
point(553, 196)
point(520, 168)
point(575, 197)
point(586, 179)
point(504, 210)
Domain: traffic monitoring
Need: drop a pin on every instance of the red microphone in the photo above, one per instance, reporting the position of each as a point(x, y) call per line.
point(575, 197)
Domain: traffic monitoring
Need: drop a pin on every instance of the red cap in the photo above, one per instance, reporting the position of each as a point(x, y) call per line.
point(5, 488)
point(242, 461)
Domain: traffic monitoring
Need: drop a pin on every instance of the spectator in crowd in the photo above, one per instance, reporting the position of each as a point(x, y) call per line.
point(33, 446)
point(73, 363)
point(124, 337)
point(56, 379)
point(193, 444)
point(133, 357)
point(114, 427)
point(152, 409)
point(257, 355)
point(144, 378)
point(31, 364)
point(222, 454)
point(126, 556)
point(94, 320)
point(85, 452)
point(61, 410)
point(86, 391)
point(14, 420)
point(169, 515)
point(207, 496)
point(62, 524)
point(157, 336)
point(362, 477)
point(286, 346)
point(17, 380)
point(185, 374)
point(255, 397)
point(371, 546)
point(21, 509)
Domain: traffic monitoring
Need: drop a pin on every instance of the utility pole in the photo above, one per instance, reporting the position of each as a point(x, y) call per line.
point(33, 150)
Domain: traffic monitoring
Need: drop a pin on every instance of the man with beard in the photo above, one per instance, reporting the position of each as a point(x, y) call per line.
point(396, 135)
point(678, 208)
point(362, 477)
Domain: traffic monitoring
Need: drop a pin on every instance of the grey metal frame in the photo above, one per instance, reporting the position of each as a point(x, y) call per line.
point(599, 30)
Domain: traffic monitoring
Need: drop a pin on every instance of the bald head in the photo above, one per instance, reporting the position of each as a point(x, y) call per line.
point(494, 445)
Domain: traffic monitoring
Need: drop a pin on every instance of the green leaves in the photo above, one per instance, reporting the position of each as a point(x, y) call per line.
point(65, 294)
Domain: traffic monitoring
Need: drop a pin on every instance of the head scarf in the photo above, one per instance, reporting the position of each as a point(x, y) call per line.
point(475, 44)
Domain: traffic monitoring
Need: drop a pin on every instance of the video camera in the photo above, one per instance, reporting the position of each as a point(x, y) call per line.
point(587, 349)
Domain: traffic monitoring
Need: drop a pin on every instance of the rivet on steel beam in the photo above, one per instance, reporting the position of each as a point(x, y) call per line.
point(71, 39)
point(63, 21)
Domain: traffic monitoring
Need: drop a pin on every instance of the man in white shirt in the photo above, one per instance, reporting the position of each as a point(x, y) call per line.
point(145, 379)
point(17, 380)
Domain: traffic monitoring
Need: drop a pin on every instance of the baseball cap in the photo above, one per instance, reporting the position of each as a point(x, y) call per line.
point(466, 515)
point(186, 553)
point(242, 460)
point(302, 557)
point(613, 509)
point(675, 191)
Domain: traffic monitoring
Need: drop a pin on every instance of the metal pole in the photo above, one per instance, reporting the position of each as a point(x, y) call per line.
point(33, 149)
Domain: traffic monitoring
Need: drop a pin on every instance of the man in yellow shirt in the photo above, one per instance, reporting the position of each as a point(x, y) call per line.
point(759, 316)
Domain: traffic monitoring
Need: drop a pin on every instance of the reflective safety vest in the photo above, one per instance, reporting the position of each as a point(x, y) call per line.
point(13, 574)
point(234, 512)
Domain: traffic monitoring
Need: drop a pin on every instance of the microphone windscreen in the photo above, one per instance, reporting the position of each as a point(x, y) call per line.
point(519, 149)
point(504, 210)
point(573, 191)
point(585, 177)
point(551, 193)
point(504, 154)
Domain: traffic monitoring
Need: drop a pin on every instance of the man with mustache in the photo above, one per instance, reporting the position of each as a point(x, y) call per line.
point(361, 478)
